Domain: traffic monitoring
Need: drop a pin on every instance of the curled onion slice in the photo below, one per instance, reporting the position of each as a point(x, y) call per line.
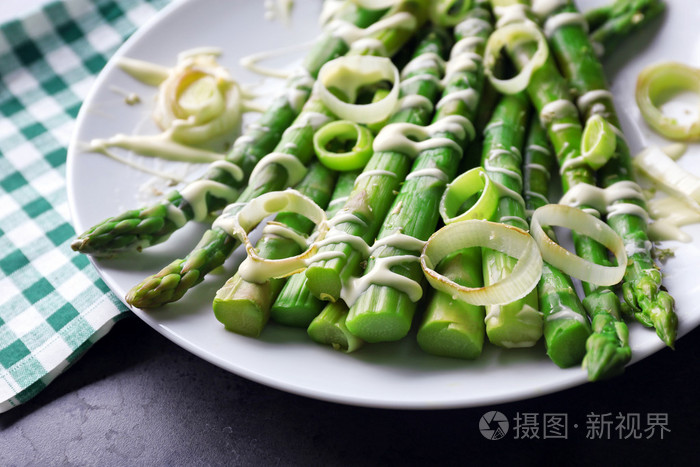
point(666, 174)
point(657, 83)
point(199, 100)
point(584, 224)
point(257, 269)
point(598, 143)
point(349, 74)
point(464, 187)
point(511, 36)
point(507, 239)
point(356, 157)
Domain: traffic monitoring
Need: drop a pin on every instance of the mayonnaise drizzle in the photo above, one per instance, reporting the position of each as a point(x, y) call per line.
point(397, 136)
point(564, 19)
point(382, 275)
point(414, 101)
point(372, 173)
point(429, 172)
point(556, 110)
point(544, 8)
point(565, 313)
point(590, 98)
point(352, 34)
point(295, 169)
point(607, 200)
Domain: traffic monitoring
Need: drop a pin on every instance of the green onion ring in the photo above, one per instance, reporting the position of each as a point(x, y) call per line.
point(461, 189)
point(661, 81)
point(354, 159)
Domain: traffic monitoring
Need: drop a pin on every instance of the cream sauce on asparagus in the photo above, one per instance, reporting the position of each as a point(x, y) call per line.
point(564, 19)
point(587, 100)
point(607, 200)
point(278, 229)
point(295, 169)
point(556, 110)
point(356, 38)
point(397, 136)
point(428, 172)
point(544, 8)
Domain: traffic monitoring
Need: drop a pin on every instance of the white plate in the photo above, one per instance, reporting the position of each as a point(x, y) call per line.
point(394, 375)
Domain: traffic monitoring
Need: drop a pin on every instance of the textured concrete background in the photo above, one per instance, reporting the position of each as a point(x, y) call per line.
point(138, 399)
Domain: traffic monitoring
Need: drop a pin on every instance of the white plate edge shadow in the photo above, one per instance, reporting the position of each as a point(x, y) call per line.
point(564, 378)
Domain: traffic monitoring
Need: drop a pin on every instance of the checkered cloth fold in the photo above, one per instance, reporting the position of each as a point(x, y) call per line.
point(53, 305)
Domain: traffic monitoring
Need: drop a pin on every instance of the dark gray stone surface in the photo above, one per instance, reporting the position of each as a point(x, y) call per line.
point(138, 399)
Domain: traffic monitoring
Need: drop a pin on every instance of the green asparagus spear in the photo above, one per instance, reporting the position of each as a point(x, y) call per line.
point(611, 24)
point(451, 327)
point(295, 305)
point(329, 328)
point(642, 292)
point(244, 307)
point(171, 283)
point(384, 311)
point(550, 93)
point(516, 324)
point(377, 186)
point(141, 228)
point(566, 326)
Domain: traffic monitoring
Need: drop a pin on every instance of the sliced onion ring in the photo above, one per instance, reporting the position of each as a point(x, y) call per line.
point(512, 35)
point(584, 224)
point(258, 269)
point(461, 189)
point(507, 239)
point(658, 82)
point(350, 73)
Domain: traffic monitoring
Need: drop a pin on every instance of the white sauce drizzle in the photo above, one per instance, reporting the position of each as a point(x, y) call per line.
point(352, 35)
point(556, 110)
point(565, 313)
point(295, 169)
point(544, 8)
point(557, 127)
point(592, 97)
point(538, 148)
point(414, 101)
point(397, 136)
point(510, 173)
point(538, 167)
point(516, 13)
point(429, 172)
point(607, 200)
point(564, 19)
point(428, 60)
point(373, 173)
point(382, 275)
point(468, 96)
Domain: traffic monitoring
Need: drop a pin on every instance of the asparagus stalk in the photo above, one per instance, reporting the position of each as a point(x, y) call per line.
point(651, 306)
point(295, 305)
point(384, 312)
point(144, 227)
point(548, 87)
point(450, 327)
point(516, 324)
point(377, 186)
point(566, 327)
point(171, 283)
point(244, 307)
point(611, 24)
point(329, 328)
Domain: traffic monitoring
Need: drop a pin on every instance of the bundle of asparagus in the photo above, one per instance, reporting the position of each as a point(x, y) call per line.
point(356, 272)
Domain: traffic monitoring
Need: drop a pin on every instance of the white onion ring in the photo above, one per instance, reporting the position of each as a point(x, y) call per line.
point(348, 74)
point(507, 239)
point(258, 269)
point(512, 35)
point(584, 224)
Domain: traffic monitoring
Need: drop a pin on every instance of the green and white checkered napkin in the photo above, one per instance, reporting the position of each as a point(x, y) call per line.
point(53, 305)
